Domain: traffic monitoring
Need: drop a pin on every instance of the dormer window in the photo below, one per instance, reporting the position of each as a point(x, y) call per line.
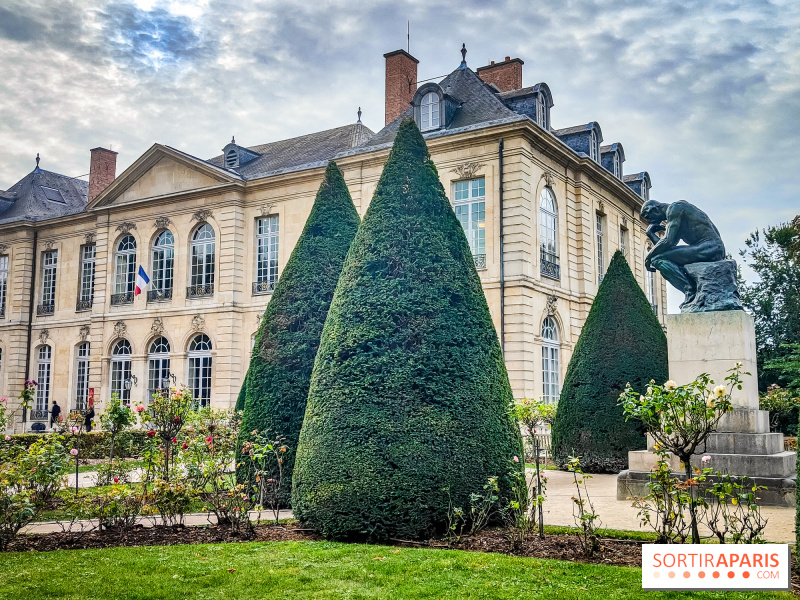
point(617, 171)
point(593, 147)
point(541, 110)
point(429, 112)
point(232, 158)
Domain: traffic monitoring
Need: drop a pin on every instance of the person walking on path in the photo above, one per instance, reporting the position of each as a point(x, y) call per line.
point(55, 413)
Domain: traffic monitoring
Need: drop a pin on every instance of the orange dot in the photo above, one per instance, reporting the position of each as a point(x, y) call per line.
point(731, 574)
point(671, 574)
point(686, 574)
point(716, 574)
point(656, 575)
point(746, 574)
point(702, 574)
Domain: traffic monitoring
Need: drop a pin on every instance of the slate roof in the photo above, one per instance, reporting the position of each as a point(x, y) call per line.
point(575, 129)
point(636, 176)
point(305, 150)
point(26, 200)
point(479, 104)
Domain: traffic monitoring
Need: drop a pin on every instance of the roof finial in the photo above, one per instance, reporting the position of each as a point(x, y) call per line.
point(37, 160)
point(233, 139)
point(359, 116)
point(463, 56)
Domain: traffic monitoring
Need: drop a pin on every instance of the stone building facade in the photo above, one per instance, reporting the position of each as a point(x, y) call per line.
point(543, 209)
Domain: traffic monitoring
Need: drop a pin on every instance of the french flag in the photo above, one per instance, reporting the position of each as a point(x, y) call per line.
point(142, 280)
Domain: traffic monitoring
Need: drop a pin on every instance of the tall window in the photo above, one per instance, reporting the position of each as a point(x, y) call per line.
point(82, 377)
point(86, 294)
point(203, 248)
point(650, 285)
point(470, 206)
point(601, 256)
point(551, 362)
point(49, 265)
point(157, 366)
point(125, 271)
point(3, 284)
point(541, 110)
point(593, 147)
point(43, 358)
point(429, 111)
point(617, 170)
point(548, 234)
point(266, 254)
point(623, 241)
point(162, 267)
point(645, 191)
point(200, 369)
point(121, 370)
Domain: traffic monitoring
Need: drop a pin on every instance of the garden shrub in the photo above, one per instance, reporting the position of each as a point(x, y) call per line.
point(621, 342)
point(409, 398)
point(276, 387)
point(94, 444)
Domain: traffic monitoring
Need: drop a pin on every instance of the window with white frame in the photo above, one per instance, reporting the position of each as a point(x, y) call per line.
point(162, 256)
point(593, 147)
point(267, 230)
point(551, 361)
point(86, 294)
point(49, 265)
point(601, 251)
point(200, 369)
point(125, 268)
point(548, 233)
point(541, 110)
point(617, 172)
point(82, 376)
point(3, 284)
point(43, 370)
point(203, 252)
point(121, 370)
point(469, 203)
point(429, 112)
point(645, 191)
point(650, 284)
point(623, 241)
point(158, 365)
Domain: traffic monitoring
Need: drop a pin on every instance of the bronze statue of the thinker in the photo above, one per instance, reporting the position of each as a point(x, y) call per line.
point(697, 267)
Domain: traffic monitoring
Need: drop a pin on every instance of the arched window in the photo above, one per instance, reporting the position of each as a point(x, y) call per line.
point(203, 249)
point(162, 267)
point(617, 172)
point(548, 234)
point(650, 284)
point(121, 370)
point(82, 376)
point(551, 362)
point(429, 111)
point(200, 369)
point(43, 370)
point(158, 373)
point(593, 146)
point(125, 271)
point(541, 110)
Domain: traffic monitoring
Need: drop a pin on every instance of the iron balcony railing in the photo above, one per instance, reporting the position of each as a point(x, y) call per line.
point(654, 307)
point(480, 261)
point(164, 295)
point(38, 414)
point(82, 305)
point(45, 309)
point(263, 287)
point(200, 291)
point(549, 265)
point(120, 299)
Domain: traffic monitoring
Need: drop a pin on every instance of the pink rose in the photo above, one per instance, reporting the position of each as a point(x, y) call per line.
point(8, 438)
point(74, 429)
point(74, 452)
point(209, 439)
point(140, 408)
point(516, 459)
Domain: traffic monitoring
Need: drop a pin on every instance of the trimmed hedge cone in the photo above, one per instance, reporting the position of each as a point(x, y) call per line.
point(621, 341)
point(410, 406)
point(276, 387)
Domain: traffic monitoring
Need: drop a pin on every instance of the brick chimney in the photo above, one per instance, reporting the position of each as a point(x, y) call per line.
point(506, 75)
point(401, 82)
point(102, 171)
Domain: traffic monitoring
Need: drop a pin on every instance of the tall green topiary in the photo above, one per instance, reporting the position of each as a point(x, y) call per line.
point(622, 341)
point(410, 405)
point(276, 387)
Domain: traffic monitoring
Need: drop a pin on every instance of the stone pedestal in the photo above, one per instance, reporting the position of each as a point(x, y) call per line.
point(713, 342)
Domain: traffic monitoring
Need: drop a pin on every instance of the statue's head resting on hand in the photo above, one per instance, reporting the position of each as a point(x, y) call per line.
point(654, 212)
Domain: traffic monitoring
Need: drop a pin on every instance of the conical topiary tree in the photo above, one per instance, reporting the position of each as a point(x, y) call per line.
point(622, 341)
point(274, 395)
point(410, 405)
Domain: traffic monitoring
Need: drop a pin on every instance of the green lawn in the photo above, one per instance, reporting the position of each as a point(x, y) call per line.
point(297, 570)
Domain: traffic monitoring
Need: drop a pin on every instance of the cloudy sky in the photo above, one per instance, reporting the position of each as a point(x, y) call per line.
point(704, 95)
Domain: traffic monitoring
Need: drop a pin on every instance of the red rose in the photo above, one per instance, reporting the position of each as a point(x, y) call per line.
point(116, 479)
point(185, 445)
point(176, 420)
point(151, 433)
point(174, 440)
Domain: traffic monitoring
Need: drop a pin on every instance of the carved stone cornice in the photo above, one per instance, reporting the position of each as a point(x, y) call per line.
point(201, 216)
point(467, 170)
point(126, 227)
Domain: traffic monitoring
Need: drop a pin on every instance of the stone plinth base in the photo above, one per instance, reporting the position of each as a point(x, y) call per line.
point(713, 342)
point(716, 287)
point(779, 492)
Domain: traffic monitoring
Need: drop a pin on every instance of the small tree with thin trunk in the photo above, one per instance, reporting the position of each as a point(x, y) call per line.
point(680, 418)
